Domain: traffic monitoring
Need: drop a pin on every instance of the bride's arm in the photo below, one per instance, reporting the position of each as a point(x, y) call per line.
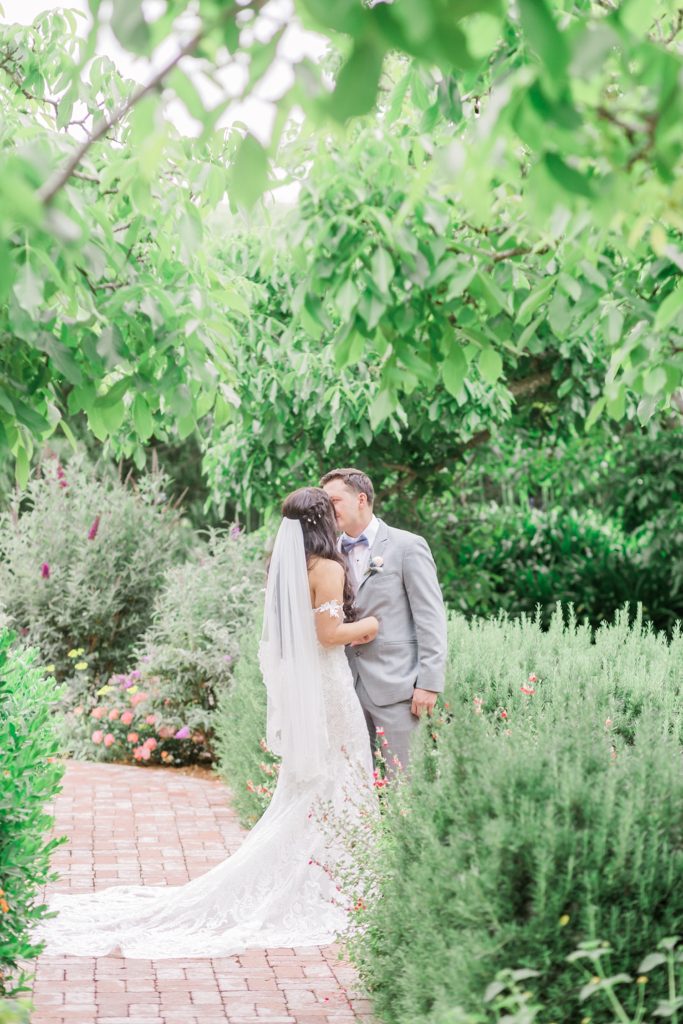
point(327, 589)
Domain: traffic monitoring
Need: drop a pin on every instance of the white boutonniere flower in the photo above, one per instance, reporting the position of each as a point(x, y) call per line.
point(376, 565)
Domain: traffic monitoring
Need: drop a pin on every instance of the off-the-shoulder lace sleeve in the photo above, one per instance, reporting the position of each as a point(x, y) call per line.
point(335, 608)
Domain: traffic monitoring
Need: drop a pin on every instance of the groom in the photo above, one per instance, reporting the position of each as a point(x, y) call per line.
point(399, 674)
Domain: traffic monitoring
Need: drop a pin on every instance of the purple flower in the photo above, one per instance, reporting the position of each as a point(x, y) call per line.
point(235, 531)
point(183, 734)
point(135, 674)
point(45, 571)
point(92, 532)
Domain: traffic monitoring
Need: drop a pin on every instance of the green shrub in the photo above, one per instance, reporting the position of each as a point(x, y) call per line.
point(81, 560)
point(30, 780)
point(244, 760)
point(184, 662)
point(539, 818)
point(14, 1011)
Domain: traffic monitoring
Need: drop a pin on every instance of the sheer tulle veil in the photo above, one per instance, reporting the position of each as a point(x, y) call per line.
point(290, 663)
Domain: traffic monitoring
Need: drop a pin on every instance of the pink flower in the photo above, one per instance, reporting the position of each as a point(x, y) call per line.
point(137, 753)
point(60, 476)
point(503, 713)
point(165, 732)
point(151, 719)
point(145, 753)
point(109, 739)
point(150, 743)
point(137, 698)
point(45, 571)
point(183, 734)
point(97, 736)
point(127, 717)
point(528, 690)
point(533, 678)
point(98, 712)
point(92, 532)
point(114, 714)
point(132, 737)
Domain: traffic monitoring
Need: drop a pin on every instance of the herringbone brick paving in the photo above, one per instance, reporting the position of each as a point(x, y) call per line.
point(157, 826)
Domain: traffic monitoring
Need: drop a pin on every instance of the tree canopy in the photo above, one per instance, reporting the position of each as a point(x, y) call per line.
point(490, 214)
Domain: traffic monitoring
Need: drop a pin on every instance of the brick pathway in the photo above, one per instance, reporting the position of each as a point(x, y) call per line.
point(155, 826)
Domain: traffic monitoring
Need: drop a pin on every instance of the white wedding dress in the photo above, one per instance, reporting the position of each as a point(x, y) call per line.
point(277, 890)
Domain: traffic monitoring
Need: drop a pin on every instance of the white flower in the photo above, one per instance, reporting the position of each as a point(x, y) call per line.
point(378, 561)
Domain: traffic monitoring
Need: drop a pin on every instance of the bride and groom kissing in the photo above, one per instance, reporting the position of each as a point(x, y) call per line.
point(353, 645)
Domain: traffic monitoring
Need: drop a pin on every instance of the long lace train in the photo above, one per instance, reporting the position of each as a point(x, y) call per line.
point(274, 891)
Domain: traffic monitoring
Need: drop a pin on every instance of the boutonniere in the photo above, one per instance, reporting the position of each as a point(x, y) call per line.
point(376, 565)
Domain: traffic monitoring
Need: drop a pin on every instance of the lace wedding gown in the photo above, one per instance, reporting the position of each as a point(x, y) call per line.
point(274, 891)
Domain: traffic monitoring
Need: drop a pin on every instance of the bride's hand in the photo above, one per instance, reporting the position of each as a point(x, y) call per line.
point(370, 629)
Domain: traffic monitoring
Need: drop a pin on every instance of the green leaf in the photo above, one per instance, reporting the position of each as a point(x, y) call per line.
point(346, 299)
point(594, 414)
point(22, 467)
point(655, 380)
point(357, 81)
point(185, 90)
point(142, 417)
point(454, 369)
point(28, 290)
point(670, 308)
point(535, 299)
point(381, 408)
point(382, 269)
point(543, 35)
point(635, 16)
point(248, 177)
point(129, 26)
point(615, 403)
point(568, 177)
point(490, 365)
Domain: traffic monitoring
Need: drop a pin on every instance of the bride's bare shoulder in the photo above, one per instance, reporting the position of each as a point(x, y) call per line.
point(322, 569)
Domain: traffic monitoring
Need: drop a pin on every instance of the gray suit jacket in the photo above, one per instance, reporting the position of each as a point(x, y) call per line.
point(410, 648)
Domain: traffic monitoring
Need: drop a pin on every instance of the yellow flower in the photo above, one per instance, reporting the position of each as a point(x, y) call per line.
point(81, 665)
point(564, 920)
point(73, 653)
point(133, 689)
point(103, 689)
point(49, 668)
point(642, 979)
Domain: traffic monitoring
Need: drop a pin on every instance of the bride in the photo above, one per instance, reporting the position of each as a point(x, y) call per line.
point(277, 889)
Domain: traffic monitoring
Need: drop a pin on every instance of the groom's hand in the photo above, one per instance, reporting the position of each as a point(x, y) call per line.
point(423, 700)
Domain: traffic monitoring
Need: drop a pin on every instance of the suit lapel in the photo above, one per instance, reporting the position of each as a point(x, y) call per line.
point(381, 537)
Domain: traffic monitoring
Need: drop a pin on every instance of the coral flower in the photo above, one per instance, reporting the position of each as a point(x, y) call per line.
point(503, 714)
point(132, 737)
point(151, 719)
point(145, 753)
point(45, 571)
point(528, 690)
point(150, 743)
point(109, 739)
point(97, 736)
point(114, 714)
point(165, 732)
point(127, 717)
point(98, 712)
point(533, 678)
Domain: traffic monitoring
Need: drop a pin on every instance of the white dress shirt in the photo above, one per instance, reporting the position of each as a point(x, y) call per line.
point(359, 557)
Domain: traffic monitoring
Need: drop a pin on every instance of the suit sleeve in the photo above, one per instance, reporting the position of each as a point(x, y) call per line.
point(429, 614)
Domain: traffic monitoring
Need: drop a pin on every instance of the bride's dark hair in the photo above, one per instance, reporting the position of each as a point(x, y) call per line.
point(314, 510)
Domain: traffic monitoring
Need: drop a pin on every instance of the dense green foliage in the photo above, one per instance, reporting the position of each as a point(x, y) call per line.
point(465, 257)
point(162, 711)
point(82, 556)
point(544, 811)
point(244, 760)
point(30, 780)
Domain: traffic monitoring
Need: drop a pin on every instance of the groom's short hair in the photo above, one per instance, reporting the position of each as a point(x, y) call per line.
point(356, 479)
